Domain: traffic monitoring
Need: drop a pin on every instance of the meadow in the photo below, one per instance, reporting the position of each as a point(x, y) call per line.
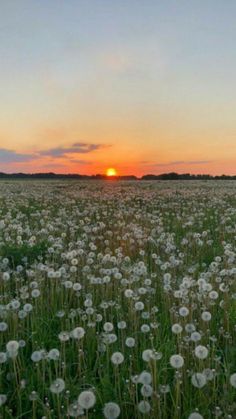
point(117, 299)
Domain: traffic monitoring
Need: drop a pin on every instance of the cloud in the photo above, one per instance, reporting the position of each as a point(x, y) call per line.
point(78, 148)
point(11, 156)
point(182, 162)
point(80, 161)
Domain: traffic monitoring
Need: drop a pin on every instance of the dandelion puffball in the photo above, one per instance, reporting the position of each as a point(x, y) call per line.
point(87, 399)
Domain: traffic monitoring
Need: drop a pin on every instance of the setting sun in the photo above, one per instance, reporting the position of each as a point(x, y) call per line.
point(111, 172)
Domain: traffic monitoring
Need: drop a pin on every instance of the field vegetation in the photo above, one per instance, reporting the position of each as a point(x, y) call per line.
point(117, 299)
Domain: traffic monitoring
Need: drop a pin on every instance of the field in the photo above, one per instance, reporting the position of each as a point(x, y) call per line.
point(118, 299)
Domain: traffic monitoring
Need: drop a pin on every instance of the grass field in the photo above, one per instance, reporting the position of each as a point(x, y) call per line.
point(118, 299)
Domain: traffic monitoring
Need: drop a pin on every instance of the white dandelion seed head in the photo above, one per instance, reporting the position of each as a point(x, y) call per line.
point(78, 333)
point(184, 311)
point(206, 316)
point(176, 361)
point(201, 352)
point(111, 410)
point(87, 399)
point(176, 328)
point(198, 380)
point(57, 386)
point(146, 390)
point(195, 415)
point(117, 358)
point(144, 407)
point(54, 354)
point(3, 399)
point(36, 356)
point(108, 327)
point(232, 380)
point(130, 342)
point(144, 378)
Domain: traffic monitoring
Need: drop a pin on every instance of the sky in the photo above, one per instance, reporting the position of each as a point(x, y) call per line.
point(145, 86)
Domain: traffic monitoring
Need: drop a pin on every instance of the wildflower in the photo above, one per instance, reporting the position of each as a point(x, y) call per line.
point(87, 399)
point(78, 333)
point(54, 354)
point(176, 328)
point(108, 327)
point(232, 380)
point(117, 358)
point(201, 352)
point(195, 415)
point(3, 399)
point(111, 410)
point(130, 342)
point(75, 410)
point(146, 390)
point(176, 361)
point(36, 356)
point(144, 378)
point(57, 386)
point(144, 407)
point(198, 380)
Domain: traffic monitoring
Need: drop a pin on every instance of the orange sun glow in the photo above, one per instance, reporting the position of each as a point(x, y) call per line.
point(111, 172)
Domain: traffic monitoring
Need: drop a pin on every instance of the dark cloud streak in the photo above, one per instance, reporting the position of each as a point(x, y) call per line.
point(11, 156)
point(77, 148)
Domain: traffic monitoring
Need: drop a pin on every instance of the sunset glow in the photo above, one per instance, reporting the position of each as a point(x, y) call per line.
point(149, 86)
point(111, 172)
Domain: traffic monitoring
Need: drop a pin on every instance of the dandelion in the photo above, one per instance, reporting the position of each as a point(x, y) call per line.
point(35, 293)
point(3, 326)
point(184, 311)
point(87, 399)
point(57, 386)
point(36, 356)
point(28, 308)
point(147, 355)
point(144, 378)
point(3, 357)
point(195, 415)
point(108, 327)
point(176, 361)
point(54, 354)
point(144, 407)
point(121, 325)
point(146, 390)
point(139, 306)
point(130, 342)
point(64, 336)
point(176, 328)
point(3, 399)
point(111, 410)
point(206, 316)
point(75, 410)
point(198, 380)
point(232, 380)
point(195, 336)
point(78, 333)
point(33, 395)
point(201, 352)
point(12, 348)
point(145, 328)
point(117, 358)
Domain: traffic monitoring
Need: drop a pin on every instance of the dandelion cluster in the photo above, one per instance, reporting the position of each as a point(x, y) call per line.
point(117, 300)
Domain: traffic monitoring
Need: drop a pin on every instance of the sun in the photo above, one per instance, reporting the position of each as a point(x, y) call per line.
point(111, 172)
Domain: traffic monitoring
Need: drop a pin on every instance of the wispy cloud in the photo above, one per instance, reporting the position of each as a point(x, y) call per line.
point(11, 156)
point(76, 148)
point(179, 163)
